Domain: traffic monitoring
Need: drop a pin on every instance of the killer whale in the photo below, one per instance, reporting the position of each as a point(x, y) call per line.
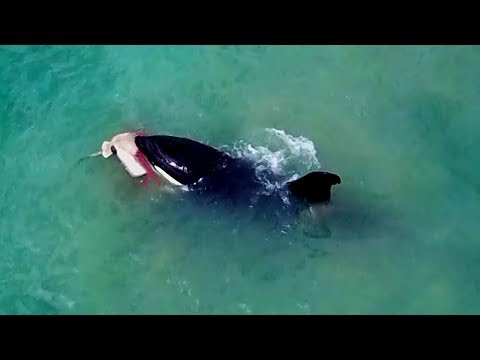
point(204, 169)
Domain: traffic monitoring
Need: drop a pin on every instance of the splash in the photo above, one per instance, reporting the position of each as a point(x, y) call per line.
point(297, 147)
point(278, 157)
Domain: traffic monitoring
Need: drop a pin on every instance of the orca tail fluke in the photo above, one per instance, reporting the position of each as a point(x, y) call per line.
point(315, 187)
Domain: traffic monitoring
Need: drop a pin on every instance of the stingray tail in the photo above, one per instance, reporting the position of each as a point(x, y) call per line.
point(90, 156)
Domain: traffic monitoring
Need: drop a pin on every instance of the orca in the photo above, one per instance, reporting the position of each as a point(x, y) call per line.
point(203, 169)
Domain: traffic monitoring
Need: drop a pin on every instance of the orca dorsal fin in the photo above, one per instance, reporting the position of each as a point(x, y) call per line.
point(315, 187)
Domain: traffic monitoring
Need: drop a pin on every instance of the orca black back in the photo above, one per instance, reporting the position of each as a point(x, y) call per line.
point(206, 169)
point(185, 160)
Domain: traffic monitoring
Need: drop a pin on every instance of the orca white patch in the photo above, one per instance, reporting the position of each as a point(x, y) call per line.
point(166, 176)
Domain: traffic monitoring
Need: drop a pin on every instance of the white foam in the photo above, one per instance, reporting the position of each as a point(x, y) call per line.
point(287, 157)
point(298, 146)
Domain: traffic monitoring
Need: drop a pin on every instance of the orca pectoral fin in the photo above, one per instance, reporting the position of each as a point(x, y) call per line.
point(315, 187)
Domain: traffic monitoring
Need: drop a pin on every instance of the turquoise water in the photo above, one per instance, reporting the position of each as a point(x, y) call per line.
point(397, 123)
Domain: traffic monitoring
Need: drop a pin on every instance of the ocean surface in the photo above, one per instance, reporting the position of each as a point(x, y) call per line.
point(399, 124)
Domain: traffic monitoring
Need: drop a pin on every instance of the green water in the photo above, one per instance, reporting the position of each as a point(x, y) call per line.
point(397, 123)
